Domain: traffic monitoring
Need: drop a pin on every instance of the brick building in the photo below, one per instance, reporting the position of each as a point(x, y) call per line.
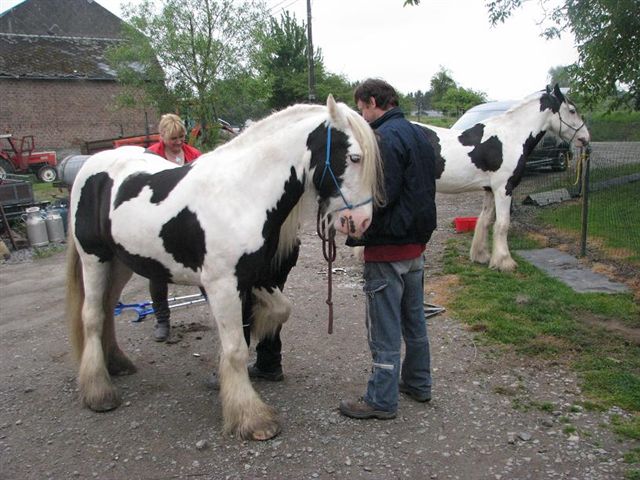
point(55, 82)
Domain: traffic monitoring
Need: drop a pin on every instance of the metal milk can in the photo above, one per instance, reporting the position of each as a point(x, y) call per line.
point(55, 226)
point(36, 228)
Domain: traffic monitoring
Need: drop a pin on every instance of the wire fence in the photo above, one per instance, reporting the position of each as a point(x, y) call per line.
point(606, 214)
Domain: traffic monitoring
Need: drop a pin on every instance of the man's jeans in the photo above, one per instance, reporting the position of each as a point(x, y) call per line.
point(395, 308)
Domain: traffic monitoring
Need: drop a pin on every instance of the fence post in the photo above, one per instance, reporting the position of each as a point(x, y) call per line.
point(585, 158)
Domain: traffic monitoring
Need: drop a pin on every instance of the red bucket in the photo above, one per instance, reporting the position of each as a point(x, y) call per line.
point(465, 224)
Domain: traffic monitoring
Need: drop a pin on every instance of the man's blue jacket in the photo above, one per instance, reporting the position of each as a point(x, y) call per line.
point(409, 213)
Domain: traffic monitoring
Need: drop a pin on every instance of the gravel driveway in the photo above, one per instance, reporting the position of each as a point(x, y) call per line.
point(493, 416)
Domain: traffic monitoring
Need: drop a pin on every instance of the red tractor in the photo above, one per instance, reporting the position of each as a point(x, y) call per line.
point(19, 157)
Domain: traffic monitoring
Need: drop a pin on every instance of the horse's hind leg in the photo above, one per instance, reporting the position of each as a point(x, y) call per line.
point(243, 411)
point(96, 390)
point(480, 245)
point(501, 257)
point(117, 361)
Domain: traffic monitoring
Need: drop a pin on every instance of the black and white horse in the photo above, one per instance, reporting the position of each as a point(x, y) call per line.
point(222, 223)
point(491, 156)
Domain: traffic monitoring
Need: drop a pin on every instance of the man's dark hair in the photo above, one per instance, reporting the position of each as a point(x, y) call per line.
point(385, 95)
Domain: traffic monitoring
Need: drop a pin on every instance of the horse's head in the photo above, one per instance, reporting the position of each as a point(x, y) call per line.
point(346, 169)
point(566, 121)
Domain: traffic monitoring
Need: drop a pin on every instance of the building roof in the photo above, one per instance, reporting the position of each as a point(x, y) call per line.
point(57, 39)
point(67, 18)
point(54, 58)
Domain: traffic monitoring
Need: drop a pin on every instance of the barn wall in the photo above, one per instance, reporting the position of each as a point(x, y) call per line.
point(64, 114)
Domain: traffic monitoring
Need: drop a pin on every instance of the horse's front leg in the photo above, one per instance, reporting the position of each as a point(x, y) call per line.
point(501, 257)
point(243, 411)
point(480, 245)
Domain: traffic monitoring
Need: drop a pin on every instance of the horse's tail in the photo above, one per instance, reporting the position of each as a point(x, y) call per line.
point(75, 298)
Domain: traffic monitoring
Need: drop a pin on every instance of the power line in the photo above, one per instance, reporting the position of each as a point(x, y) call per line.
point(274, 7)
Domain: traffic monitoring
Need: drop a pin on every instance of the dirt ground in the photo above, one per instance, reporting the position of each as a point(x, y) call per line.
point(484, 422)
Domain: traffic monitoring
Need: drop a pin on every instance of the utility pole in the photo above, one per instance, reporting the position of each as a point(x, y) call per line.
point(312, 75)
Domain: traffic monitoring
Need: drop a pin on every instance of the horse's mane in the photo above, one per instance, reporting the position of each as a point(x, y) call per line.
point(268, 125)
point(372, 171)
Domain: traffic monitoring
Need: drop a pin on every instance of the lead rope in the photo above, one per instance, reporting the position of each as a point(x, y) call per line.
point(329, 252)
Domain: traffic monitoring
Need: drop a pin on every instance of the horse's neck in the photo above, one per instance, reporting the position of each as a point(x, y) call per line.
point(525, 120)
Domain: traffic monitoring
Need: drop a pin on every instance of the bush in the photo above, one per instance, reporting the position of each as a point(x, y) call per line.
point(618, 126)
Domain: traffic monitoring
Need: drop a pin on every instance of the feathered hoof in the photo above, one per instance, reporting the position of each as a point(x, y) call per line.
point(480, 257)
point(259, 427)
point(103, 402)
point(120, 365)
point(261, 430)
point(504, 265)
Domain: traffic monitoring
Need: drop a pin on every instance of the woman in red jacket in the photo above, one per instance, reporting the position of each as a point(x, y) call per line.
point(171, 145)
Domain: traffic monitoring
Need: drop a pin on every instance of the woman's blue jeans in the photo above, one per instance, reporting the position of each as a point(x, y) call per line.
point(395, 309)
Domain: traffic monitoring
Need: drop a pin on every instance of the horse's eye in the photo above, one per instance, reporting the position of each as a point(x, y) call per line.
point(572, 111)
point(355, 158)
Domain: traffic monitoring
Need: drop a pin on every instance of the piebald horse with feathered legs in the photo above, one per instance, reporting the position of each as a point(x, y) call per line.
point(222, 223)
point(491, 156)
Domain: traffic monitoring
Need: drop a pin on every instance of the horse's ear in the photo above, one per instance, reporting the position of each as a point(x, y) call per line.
point(335, 114)
point(548, 89)
point(332, 106)
point(558, 93)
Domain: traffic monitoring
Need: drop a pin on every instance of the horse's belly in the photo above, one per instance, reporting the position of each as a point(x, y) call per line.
point(456, 183)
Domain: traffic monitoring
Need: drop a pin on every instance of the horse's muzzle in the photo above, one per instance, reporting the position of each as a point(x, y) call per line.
point(352, 223)
point(582, 141)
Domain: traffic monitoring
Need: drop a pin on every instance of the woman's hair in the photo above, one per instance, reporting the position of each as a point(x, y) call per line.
point(385, 95)
point(171, 125)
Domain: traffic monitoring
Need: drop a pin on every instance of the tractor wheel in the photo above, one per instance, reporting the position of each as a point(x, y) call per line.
point(5, 168)
point(47, 174)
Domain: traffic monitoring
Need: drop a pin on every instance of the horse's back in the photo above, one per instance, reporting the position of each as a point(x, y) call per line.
point(122, 162)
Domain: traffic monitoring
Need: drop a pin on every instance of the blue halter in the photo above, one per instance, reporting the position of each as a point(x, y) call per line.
point(327, 168)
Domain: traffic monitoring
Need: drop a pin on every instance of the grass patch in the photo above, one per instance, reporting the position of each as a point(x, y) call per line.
point(613, 218)
point(632, 474)
point(46, 192)
point(541, 317)
point(48, 251)
point(444, 122)
point(629, 428)
point(632, 456)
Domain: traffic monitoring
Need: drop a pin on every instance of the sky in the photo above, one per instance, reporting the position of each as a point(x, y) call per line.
point(406, 46)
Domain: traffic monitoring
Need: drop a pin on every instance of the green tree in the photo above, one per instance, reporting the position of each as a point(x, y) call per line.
point(458, 100)
point(282, 61)
point(200, 45)
point(560, 75)
point(440, 83)
point(608, 43)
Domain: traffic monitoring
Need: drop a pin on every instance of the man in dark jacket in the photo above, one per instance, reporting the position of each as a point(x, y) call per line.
point(394, 246)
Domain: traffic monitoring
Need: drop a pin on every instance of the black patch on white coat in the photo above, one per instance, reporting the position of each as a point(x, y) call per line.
point(93, 229)
point(548, 101)
point(487, 155)
point(254, 269)
point(434, 140)
point(527, 148)
point(317, 144)
point(144, 266)
point(161, 184)
point(92, 224)
point(184, 239)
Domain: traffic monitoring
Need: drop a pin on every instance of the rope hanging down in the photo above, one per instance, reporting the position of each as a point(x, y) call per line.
point(329, 252)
